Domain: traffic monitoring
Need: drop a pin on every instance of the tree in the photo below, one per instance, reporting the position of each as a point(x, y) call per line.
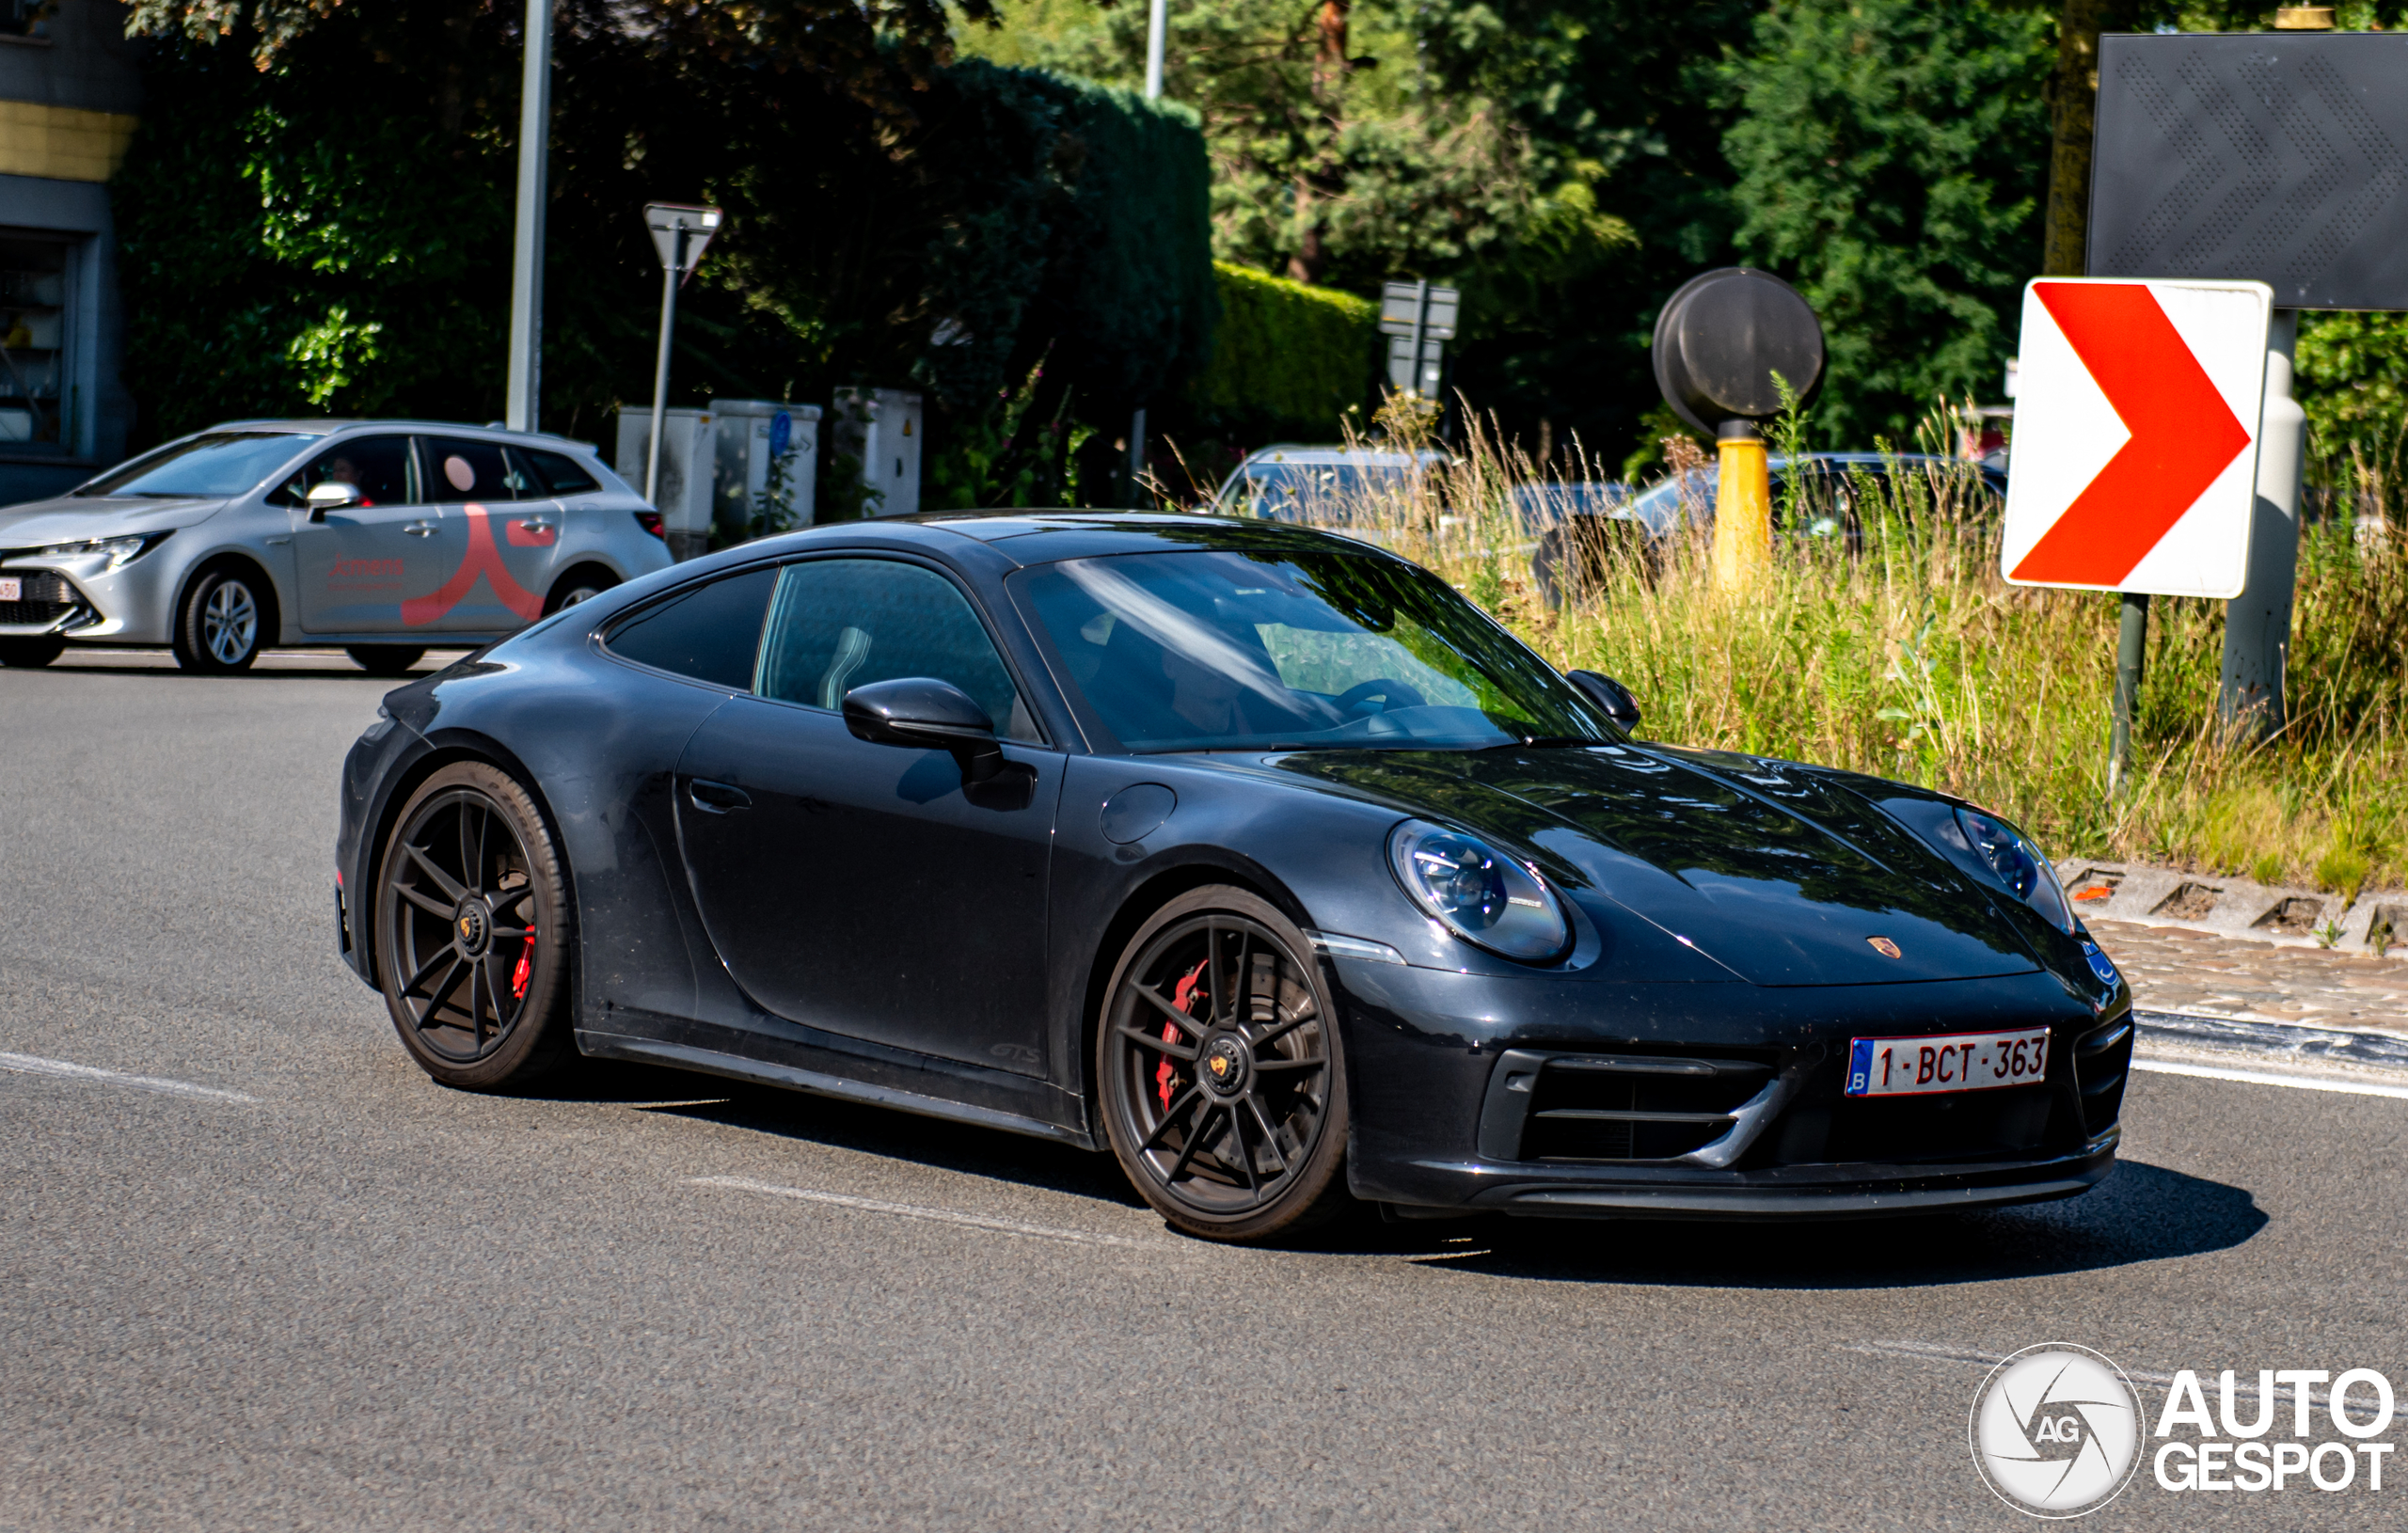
point(1892, 162)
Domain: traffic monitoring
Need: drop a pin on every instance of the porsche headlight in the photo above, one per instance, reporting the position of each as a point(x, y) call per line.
point(2018, 865)
point(116, 553)
point(1481, 894)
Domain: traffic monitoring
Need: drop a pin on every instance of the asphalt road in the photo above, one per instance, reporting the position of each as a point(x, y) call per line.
point(325, 1292)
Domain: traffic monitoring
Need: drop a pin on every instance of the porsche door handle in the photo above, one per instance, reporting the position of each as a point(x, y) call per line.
point(421, 529)
point(717, 797)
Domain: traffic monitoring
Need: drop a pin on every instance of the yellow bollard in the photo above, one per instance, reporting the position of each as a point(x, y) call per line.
point(1742, 507)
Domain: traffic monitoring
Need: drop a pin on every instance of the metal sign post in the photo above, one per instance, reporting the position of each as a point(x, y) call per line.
point(681, 233)
point(522, 407)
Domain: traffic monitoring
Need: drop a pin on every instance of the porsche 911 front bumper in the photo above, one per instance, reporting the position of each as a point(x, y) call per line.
point(1537, 1097)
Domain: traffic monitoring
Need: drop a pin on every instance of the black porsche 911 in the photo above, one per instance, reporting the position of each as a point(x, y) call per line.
point(1255, 854)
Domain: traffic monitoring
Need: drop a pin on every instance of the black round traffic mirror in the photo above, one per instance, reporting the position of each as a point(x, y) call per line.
point(1723, 337)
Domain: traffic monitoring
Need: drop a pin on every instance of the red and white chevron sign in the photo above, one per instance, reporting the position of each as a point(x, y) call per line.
point(2136, 413)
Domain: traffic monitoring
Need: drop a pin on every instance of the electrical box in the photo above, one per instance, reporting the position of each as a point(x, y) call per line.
point(769, 467)
point(688, 465)
point(881, 430)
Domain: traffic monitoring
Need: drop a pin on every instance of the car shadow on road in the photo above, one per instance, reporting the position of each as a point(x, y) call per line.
point(2141, 1213)
point(843, 1125)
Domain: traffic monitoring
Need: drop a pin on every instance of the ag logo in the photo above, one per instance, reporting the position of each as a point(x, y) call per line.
point(2055, 1431)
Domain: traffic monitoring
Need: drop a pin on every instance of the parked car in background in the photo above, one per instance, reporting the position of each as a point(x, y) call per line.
point(1348, 487)
point(1596, 533)
point(382, 537)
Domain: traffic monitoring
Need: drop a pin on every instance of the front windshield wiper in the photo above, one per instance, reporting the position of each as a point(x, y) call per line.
point(1544, 742)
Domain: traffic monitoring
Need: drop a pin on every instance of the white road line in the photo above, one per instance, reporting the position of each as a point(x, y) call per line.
point(34, 1065)
point(2262, 1078)
point(1936, 1352)
point(940, 1216)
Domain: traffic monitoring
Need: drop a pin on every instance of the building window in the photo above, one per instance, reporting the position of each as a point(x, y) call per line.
point(26, 18)
point(34, 397)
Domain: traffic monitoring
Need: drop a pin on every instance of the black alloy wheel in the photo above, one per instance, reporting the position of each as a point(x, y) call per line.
point(471, 940)
point(31, 653)
point(1223, 1089)
point(224, 623)
point(385, 659)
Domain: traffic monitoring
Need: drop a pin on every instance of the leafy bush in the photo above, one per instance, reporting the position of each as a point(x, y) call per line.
point(333, 234)
point(1288, 359)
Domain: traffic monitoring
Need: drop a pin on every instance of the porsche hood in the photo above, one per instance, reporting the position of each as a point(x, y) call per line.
point(1779, 875)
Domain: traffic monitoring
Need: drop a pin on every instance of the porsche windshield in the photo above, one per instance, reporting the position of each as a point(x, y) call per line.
point(1202, 651)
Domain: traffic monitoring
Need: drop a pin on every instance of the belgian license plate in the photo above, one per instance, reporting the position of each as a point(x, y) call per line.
point(13, 588)
point(1954, 1062)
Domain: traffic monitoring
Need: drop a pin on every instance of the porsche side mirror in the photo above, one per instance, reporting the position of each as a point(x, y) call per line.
point(926, 714)
point(334, 495)
point(1608, 694)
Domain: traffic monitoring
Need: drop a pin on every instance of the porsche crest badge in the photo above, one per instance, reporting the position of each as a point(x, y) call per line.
point(1882, 945)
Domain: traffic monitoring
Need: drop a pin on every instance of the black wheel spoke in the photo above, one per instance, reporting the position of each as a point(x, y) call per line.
point(1196, 1138)
point(1210, 971)
point(450, 886)
point(442, 994)
point(1177, 1109)
point(1245, 1156)
point(1283, 1027)
point(425, 901)
point(1168, 1009)
point(1274, 1066)
point(1270, 1134)
point(502, 899)
point(1159, 1045)
point(1242, 993)
point(427, 971)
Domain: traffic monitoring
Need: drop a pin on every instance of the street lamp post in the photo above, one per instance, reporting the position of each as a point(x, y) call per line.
point(1157, 22)
point(523, 406)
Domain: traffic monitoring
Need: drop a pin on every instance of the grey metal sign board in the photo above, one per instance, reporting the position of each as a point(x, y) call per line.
point(1401, 371)
point(2278, 157)
point(1399, 302)
point(667, 220)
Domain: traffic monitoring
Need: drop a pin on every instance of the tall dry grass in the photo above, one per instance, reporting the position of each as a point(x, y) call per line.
point(1911, 657)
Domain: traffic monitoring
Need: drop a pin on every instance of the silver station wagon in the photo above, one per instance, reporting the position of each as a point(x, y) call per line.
point(384, 537)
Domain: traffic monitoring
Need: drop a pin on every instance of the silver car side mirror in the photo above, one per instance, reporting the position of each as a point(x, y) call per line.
point(334, 495)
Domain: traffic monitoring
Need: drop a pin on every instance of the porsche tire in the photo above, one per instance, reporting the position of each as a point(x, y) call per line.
point(1220, 1075)
point(473, 933)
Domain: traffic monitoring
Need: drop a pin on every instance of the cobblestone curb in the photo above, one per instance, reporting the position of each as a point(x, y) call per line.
point(2375, 922)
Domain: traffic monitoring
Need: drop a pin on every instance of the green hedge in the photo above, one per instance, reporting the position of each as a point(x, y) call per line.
point(1287, 360)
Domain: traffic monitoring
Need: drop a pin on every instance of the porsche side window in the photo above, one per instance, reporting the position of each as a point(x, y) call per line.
point(379, 466)
point(710, 633)
point(838, 623)
point(460, 470)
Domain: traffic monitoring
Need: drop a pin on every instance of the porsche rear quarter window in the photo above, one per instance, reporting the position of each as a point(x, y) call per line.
point(838, 623)
point(710, 633)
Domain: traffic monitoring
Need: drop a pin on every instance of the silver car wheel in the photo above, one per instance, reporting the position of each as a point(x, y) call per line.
point(230, 622)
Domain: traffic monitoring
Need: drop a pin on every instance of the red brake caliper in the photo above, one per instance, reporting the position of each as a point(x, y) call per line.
point(1180, 994)
point(518, 976)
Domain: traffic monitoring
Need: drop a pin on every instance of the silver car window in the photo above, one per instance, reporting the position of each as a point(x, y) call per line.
point(460, 468)
point(215, 464)
point(379, 466)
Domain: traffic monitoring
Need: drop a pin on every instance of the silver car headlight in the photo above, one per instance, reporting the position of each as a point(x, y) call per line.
point(2018, 864)
point(1483, 896)
point(117, 553)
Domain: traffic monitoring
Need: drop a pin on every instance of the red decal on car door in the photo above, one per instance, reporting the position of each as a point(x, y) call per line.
point(484, 558)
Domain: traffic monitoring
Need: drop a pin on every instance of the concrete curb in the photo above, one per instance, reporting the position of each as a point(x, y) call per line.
point(2281, 915)
point(2293, 1042)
